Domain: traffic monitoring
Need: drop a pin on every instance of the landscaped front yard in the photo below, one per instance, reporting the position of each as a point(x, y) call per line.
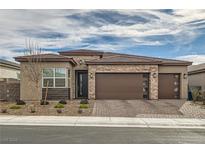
point(72, 108)
point(109, 108)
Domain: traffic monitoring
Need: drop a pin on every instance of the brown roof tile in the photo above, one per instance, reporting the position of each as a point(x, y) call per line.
point(122, 59)
point(119, 58)
point(45, 58)
point(81, 52)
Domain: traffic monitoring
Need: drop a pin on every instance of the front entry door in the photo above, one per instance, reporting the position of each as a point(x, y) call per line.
point(82, 84)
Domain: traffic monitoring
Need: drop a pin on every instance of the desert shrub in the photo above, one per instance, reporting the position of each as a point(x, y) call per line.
point(3, 110)
point(203, 97)
point(80, 111)
point(59, 105)
point(84, 106)
point(59, 110)
point(43, 102)
point(20, 102)
point(195, 94)
point(15, 107)
point(62, 101)
point(84, 101)
point(32, 109)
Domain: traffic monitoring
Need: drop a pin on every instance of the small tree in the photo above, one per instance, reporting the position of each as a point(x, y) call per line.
point(32, 69)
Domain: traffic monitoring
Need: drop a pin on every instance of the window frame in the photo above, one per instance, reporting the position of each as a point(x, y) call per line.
point(54, 77)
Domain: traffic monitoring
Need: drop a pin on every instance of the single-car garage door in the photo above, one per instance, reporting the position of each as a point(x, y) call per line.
point(169, 86)
point(121, 86)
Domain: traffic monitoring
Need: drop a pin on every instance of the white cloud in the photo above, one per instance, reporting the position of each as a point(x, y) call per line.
point(8, 55)
point(196, 59)
point(13, 23)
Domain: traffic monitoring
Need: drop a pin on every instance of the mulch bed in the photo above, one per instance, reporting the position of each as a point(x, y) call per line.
point(70, 109)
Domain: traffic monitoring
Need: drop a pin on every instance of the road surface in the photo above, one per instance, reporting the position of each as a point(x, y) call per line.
point(101, 135)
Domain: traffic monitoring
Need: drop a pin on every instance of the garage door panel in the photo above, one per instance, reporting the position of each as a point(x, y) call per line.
point(169, 86)
point(119, 86)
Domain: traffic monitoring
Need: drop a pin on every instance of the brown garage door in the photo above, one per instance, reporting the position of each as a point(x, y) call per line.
point(169, 86)
point(121, 86)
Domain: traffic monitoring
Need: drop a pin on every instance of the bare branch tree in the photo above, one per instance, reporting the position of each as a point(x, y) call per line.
point(32, 69)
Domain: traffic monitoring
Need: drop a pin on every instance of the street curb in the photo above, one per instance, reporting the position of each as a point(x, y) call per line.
point(102, 125)
point(101, 122)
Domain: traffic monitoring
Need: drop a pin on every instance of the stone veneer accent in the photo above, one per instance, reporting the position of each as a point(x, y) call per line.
point(153, 82)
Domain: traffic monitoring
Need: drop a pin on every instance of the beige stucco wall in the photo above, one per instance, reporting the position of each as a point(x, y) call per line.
point(6, 72)
point(183, 82)
point(28, 90)
point(197, 80)
point(92, 69)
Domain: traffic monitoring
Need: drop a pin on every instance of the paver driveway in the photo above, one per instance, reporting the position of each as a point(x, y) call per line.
point(133, 108)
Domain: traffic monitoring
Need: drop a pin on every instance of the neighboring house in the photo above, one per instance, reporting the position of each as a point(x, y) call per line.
point(196, 77)
point(9, 69)
point(9, 80)
point(91, 74)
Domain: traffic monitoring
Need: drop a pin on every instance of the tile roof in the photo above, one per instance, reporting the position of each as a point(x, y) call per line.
point(81, 52)
point(105, 58)
point(9, 64)
point(45, 58)
point(195, 69)
point(122, 59)
point(119, 58)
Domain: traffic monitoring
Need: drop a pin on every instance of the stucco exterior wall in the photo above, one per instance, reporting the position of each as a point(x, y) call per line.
point(9, 73)
point(183, 82)
point(197, 80)
point(93, 69)
point(28, 90)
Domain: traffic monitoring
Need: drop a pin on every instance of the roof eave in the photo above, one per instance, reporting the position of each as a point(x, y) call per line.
point(81, 53)
point(177, 64)
point(21, 59)
point(121, 63)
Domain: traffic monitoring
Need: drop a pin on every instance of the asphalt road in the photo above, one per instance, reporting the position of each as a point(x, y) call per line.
point(102, 135)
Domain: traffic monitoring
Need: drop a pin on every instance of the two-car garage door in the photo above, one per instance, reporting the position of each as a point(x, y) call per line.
point(121, 86)
point(135, 86)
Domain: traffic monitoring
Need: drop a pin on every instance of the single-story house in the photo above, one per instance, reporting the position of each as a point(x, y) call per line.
point(91, 74)
point(9, 70)
point(196, 77)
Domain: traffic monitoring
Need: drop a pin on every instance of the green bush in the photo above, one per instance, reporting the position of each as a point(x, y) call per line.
point(15, 107)
point(84, 106)
point(59, 105)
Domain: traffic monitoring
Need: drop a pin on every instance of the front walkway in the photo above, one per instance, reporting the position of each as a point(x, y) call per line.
point(138, 108)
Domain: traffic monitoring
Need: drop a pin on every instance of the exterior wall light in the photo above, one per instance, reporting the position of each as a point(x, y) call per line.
point(185, 76)
point(80, 61)
point(91, 75)
point(154, 75)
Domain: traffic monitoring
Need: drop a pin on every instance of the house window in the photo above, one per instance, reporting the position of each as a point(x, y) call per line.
point(55, 78)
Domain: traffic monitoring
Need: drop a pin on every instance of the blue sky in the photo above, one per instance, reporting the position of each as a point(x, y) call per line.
point(177, 34)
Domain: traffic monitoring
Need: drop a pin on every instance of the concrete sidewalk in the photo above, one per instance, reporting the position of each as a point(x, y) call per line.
point(102, 121)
